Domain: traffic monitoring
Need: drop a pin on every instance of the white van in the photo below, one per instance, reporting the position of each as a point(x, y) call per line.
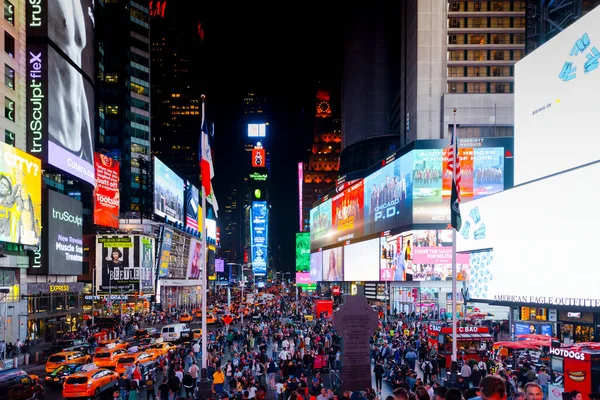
point(176, 332)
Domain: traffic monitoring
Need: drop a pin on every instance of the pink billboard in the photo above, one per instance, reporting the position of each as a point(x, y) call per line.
point(303, 278)
point(437, 255)
point(300, 200)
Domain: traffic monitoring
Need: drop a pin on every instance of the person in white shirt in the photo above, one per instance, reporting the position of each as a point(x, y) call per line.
point(279, 389)
point(285, 344)
point(283, 355)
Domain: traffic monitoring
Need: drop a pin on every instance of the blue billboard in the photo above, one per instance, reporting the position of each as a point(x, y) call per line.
point(259, 233)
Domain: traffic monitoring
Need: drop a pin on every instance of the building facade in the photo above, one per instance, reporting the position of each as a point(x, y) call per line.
point(123, 84)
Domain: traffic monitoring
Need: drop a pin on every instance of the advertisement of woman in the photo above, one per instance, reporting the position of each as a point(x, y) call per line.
point(195, 259)
point(333, 265)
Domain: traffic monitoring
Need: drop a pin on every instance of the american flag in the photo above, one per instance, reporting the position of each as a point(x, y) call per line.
point(454, 166)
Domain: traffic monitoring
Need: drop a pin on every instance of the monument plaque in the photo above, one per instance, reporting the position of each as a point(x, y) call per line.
point(355, 322)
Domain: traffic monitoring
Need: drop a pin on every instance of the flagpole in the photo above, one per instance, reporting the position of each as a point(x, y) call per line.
point(454, 319)
point(204, 269)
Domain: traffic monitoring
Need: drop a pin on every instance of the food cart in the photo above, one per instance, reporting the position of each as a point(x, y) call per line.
point(471, 341)
point(574, 368)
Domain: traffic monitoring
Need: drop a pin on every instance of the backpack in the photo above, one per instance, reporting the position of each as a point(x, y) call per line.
point(427, 367)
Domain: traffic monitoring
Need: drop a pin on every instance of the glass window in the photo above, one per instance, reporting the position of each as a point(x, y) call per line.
point(477, 23)
point(456, 87)
point(477, 55)
point(9, 137)
point(477, 71)
point(9, 109)
point(456, 55)
point(519, 6)
point(454, 23)
point(476, 87)
point(455, 6)
point(9, 76)
point(111, 78)
point(9, 44)
point(476, 39)
point(452, 39)
point(518, 38)
point(9, 12)
point(518, 54)
point(498, 55)
point(112, 109)
point(519, 22)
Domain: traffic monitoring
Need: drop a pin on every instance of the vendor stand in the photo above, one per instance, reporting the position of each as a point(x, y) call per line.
point(472, 341)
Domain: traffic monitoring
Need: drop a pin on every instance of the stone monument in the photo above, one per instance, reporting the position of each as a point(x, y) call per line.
point(355, 322)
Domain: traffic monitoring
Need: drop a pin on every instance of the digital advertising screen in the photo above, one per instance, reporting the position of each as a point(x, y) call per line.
point(361, 261)
point(193, 211)
point(106, 193)
point(259, 237)
point(333, 264)
point(432, 257)
point(67, 23)
point(388, 196)
point(257, 130)
point(556, 91)
point(316, 266)
point(165, 253)
point(303, 252)
point(195, 259)
point(259, 158)
point(483, 172)
point(347, 219)
point(21, 193)
point(147, 269)
point(528, 229)
point(125, 262)
point(64, 231)
point(395, 258)
point(320, 225)
point(168, 193)
point(60, 112)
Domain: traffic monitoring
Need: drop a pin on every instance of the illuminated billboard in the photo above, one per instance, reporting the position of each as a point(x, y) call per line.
point(530, 230)
point(64, 230)
point(320, 224)
point(388, 196)
point(125, 264)
point(60, 110)
point(259, 157)
point(193, 211)
point(168, 193)
point(195, 259)
point(483, 171)
point(303, 252)
point(259, 234)
point(21, 193)
point(257, 130)
point(556, 102)
point(106, 193)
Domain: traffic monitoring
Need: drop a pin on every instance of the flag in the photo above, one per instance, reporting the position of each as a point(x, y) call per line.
point(212, 200)
point(453, 164)
point(205, 157)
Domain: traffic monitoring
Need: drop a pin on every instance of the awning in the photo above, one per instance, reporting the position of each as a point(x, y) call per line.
point(474, 336)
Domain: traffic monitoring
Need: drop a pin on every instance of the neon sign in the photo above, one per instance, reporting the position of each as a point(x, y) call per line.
point(36, 101)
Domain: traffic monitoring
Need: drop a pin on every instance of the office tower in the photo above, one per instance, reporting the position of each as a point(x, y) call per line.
point(322, 169)
point(123, 85)
point(178, 74)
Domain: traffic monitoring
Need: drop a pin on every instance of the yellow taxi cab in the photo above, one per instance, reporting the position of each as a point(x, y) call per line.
point(66, 357)
point(160, 349)
point(185, 317)
point(113, 344)
point(107, 358)
point(198, 314)
point(125, 361)
point(89, 383)
point(211, 319)
point(197, 333)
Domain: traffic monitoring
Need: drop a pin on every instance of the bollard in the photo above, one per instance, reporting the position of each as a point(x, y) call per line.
point(26, 359)
point(16, 362)
point(37, 357)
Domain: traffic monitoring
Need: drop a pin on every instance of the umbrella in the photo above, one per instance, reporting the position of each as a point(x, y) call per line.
point(544, 343)
point(535, 336)
point(524, 344)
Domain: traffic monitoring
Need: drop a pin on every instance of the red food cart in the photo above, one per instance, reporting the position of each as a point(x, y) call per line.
point(471, 341)
point(575, 368)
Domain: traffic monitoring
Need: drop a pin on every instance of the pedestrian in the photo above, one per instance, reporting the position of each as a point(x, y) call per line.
point(379, 371)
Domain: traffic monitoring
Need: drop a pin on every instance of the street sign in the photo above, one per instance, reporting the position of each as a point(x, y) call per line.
point(227, 320)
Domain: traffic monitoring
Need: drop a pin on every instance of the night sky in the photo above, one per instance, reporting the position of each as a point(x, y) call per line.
point(279, 54)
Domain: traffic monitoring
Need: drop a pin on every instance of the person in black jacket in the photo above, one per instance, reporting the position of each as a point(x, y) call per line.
point(379, 371)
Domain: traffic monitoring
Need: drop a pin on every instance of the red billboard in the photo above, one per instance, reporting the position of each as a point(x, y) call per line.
point(106, 193)
point(259, 157)
point(347, 218)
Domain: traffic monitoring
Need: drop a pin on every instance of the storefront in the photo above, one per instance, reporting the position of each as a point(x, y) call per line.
point(54, 309)
point(575, 327)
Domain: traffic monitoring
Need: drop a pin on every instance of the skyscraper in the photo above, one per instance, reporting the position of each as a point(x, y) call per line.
point(321, 171)
point(123, 82)
point(230, 239)
point(177, 88)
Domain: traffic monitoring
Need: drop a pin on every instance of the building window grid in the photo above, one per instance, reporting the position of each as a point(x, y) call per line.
point(9, 137)
point(9, 77)
point(9, 44)
point(9, 12)
point(9, 109)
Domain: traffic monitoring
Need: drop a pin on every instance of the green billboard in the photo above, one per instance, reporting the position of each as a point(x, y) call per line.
point(303, 252)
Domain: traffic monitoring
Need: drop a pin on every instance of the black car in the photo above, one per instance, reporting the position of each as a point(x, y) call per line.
point(62, 344)
point(57, 377)
point(16, 384)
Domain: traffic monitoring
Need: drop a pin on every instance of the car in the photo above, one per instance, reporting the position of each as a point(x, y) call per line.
point(58, 376)
point(66, 357)
point(146, 333)
point(107, 358)
point(89, 383)
point(16, 384)
point(176, 332)
point(185, 318)
point(146, 361)
point(61, 344)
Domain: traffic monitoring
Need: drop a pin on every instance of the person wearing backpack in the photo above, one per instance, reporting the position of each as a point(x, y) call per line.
point(427, 369)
